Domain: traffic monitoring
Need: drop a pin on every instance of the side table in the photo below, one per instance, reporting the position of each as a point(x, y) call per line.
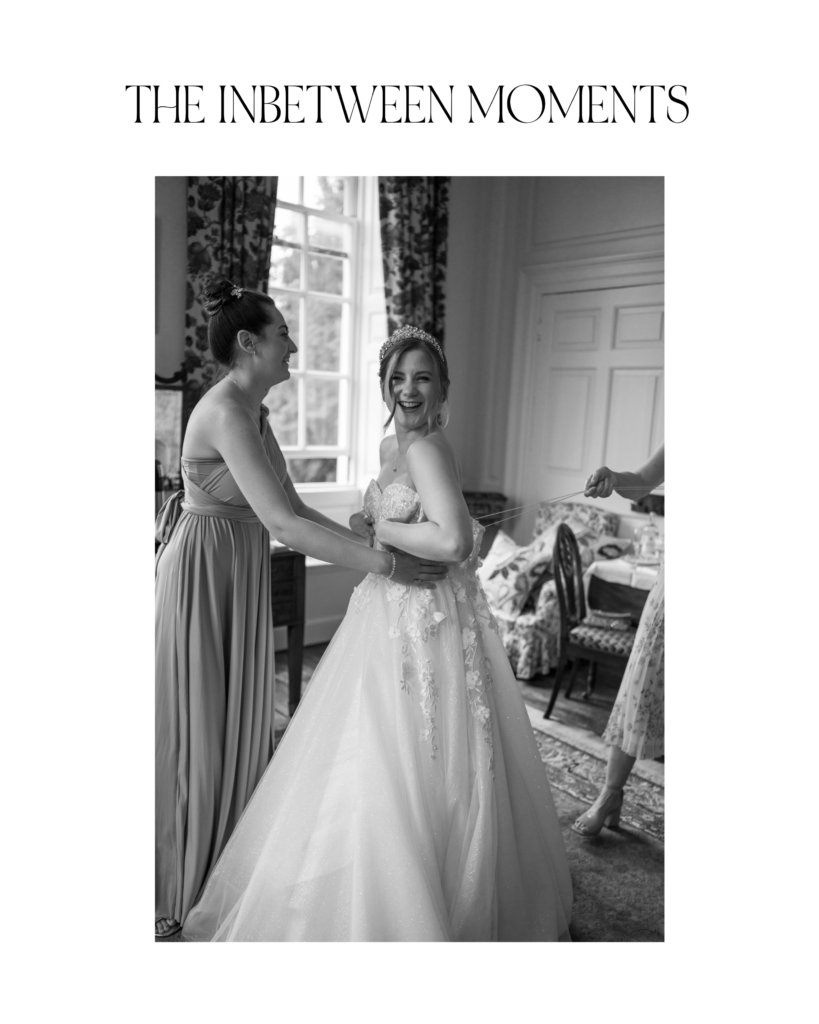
point(287, 586)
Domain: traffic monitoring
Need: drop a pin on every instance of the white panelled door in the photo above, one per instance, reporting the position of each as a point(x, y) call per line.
point(594, 393)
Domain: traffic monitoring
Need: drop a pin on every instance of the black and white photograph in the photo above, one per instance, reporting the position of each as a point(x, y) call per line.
point(409, 300)
point(410, 545)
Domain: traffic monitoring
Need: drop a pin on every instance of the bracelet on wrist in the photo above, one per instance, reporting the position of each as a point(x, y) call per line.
point(393, 566)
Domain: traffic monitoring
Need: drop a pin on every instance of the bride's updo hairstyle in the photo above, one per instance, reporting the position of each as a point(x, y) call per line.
point(231, 309)
point(405, 339)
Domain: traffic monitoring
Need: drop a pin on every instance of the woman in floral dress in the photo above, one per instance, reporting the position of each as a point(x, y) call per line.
point(407, 800)
point(635, 727)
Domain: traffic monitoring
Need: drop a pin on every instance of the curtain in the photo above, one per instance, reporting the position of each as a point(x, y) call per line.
point(414, 216)
point(230, 233)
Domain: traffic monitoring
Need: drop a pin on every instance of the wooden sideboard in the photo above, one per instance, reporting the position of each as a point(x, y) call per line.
point(287, 586)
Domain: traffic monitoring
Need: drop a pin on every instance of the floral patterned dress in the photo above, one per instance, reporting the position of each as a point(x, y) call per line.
point(407, 800)
point(636, 722)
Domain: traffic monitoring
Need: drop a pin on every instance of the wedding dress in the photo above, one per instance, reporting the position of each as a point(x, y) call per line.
point(407, 800)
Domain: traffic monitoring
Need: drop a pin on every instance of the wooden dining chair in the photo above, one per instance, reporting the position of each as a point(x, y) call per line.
point(580, 642)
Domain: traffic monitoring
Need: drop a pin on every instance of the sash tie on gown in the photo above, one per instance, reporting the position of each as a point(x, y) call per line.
point(168, 516)
point(198, 502)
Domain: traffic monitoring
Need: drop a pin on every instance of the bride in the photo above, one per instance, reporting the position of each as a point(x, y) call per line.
point(407, 800)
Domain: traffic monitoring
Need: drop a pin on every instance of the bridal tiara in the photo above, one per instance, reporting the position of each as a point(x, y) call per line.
point(408, 331)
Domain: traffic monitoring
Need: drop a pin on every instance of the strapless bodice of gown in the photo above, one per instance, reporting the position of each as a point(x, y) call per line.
point(210, 490)
point(212, 477)
point(398, 501)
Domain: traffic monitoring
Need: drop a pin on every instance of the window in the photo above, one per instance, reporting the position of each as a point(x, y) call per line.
point(313, 281)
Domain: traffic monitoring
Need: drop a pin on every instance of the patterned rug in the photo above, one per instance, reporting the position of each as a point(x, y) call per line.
point(618, 876)
point(582, 775)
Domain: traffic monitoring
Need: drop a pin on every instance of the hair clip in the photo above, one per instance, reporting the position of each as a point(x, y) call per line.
point(236, 292)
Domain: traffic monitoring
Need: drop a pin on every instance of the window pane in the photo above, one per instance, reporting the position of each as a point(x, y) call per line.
point(288, 306)
point(328, 236)
point(328, 261)
point(283, 403)
point(323, 335)
point(326, 274)
point(287, 189)
point(285, 260)
point(322, 193)
point(312, 471)
point(321, 406)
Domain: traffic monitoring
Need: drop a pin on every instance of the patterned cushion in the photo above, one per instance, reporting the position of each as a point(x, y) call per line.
point(611, 641)
point(502, 552)
point(604, 524)
point(508, 586)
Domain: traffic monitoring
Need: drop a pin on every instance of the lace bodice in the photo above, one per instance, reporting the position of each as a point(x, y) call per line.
point(398, 501)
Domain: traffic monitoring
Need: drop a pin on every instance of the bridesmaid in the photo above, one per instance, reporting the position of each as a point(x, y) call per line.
point(214, 631)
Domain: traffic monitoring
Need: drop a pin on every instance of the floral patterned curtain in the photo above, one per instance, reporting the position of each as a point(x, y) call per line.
point(230, 232)
point(414, 221)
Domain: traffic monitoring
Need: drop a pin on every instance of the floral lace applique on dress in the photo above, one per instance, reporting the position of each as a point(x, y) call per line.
point(418, 621)
point(416, 625)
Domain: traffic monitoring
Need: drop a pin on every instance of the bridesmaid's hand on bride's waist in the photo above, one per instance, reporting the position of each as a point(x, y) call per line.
point(412, 571)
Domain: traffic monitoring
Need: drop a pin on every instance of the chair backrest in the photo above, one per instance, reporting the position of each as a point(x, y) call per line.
point(568, 573)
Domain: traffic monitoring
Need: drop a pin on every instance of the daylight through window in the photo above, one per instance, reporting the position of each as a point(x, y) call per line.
point(312, 281)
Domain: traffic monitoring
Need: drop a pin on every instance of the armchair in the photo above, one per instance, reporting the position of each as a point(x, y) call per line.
point(531, 632)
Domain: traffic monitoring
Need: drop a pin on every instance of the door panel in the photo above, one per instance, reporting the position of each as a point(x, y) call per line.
point(632, 409)
point(569, 402)
point(595, 392)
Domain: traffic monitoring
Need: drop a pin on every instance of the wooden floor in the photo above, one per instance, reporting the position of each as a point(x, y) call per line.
point(592, 714)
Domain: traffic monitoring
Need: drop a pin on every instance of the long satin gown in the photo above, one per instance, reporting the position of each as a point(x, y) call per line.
point(407, 800)
point(214, 672)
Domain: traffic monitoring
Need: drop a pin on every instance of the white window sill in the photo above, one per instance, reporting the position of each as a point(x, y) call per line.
point(337, 502)
point(336, 490)
point(315, 565)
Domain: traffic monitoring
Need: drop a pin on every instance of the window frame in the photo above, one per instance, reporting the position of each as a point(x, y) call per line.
point(349, 304)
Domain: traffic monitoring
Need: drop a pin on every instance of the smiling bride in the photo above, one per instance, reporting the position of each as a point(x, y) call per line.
point(407, 800)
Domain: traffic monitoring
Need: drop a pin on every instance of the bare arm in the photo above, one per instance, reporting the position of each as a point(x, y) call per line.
point(237, 439)
point(304, 511)
point(632, 485)
point(447, 536)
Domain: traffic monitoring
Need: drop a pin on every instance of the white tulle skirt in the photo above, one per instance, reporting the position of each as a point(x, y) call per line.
point(407, 800)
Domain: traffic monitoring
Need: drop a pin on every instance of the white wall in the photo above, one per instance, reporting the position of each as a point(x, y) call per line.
point(583, 208)
point(498, 226)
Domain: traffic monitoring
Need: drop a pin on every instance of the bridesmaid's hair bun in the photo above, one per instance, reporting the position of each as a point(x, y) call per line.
point(232, 308)
point(218, 291)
